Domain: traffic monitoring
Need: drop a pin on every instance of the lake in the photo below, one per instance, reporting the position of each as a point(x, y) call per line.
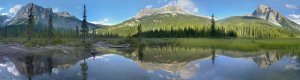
point(151, 63)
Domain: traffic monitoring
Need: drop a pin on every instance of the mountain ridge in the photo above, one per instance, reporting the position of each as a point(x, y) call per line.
point(180, 20)
point(170, 8)
point(41, 14)
point(262, 11)
point(267, 13)
point(3, 19)
point(157, 21)
point(166, 17)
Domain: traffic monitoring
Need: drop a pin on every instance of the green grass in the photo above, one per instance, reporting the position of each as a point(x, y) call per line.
point(233, 44)
point(297, 36)
point(10, 40)
point(241, 44)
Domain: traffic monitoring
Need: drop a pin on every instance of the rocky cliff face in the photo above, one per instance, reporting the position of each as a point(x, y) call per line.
point(171, 8)
point(266, 60)
point(273, 16)
point(41, 17)
point(267, 13)
point(3, 18)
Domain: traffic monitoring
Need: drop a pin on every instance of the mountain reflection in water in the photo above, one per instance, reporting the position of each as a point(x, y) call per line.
point(147, 63)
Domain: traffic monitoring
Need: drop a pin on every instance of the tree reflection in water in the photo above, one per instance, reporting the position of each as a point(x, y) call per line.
point(50, 65)
point(141, 48)
point(94, 53)
point(84, 69)
point(29, 66)
point(83, 65)
point(213, 57)
point(155, 60)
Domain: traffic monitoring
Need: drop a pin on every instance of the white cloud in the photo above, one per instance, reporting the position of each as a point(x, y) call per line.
point(1, 8)
point(104, 21)
point(295, 18)
point(11, 68)
point(291, 6)
point(4, 13)
point(292, 66)
point(149, 6)
point(55, 10)
point(196, 10)
point(187, 5)
point(14, 10)
point(162, 1)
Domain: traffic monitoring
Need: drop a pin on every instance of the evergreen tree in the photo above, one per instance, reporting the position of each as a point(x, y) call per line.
point(94, 33)
point(77, 31)
point(30, 23)
point(5, 32)
point(139, 33)
point(212, 27)
point(84, 26)
point(17, 31)
point(50, 27)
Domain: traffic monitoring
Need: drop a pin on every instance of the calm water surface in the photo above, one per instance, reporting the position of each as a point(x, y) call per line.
point(163, 63)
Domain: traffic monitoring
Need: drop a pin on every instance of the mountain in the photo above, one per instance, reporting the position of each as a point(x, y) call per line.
point(166, 17)
point(60, 20)
point(170, 8)
point(273, 16)
point(249, 26)
point(165, 21)
point(245, 21)
point(3, 18)
point(264, 22)
point(266, 60)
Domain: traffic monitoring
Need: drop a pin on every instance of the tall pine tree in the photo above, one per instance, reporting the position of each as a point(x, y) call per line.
point(139, 33)
point(30, 23)
point(77, 31)
point(50, 27)
point(17, 32)
point(94, 33)
point(84, 27)
point(5, 32)
point(212, 27)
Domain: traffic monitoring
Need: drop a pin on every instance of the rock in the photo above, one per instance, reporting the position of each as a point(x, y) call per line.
point(266, 60)
point(171, 8)
point(41, 17)
point(3, 19)
point(267, 13)
point(273, 16)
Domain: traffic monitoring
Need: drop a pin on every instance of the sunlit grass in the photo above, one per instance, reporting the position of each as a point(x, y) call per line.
point(242, 44)
point(232, 44)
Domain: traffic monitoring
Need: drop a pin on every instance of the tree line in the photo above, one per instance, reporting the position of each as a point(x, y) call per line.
point(187, 32)
point(213, 31)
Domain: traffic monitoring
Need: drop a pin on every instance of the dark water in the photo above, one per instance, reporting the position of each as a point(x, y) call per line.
point(163, 63)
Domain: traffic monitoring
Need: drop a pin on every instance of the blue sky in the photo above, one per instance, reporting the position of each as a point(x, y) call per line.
point(116, 11)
